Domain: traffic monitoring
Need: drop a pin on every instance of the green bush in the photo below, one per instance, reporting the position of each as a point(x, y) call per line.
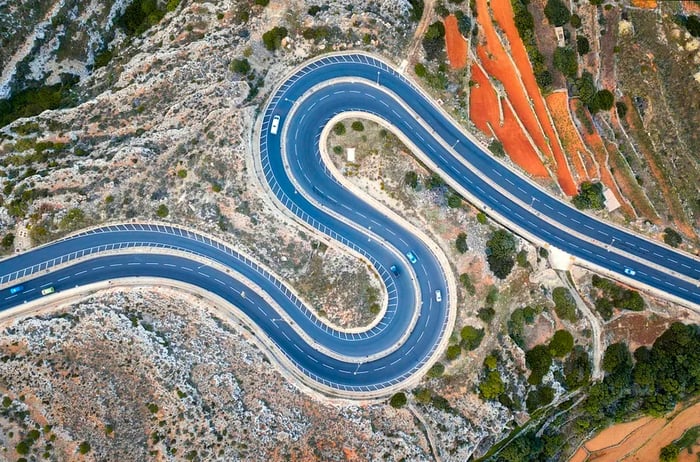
point(492, 386)
point(541, 396)
point(467, 283)
point(621, 109)
point(539, 361)
point(240, 66)
point(496, 148)
point(582, 45)
point(557, 13)
point(182, 173)
point(481, 218)
point(471, 337)
point(436, 371)
point(604, 99)
point(564, 304)
point(575, 21)
point(434, 181)
point(434, 40)
point(357, 126)
point(162, 211)
point(672, 238)
point(411, 179)
point(33, 101)
point(84, 447)
point(453, 352)
point(139, 16)
point(339, 129)
point(272, 39)
point(8, 241)
point(454, 201)
point(74, 219)
point(577, 369)
point(398, 400)
point(500, 251)
point(416, 9)
point(461, 243)
point(103, 58)
point(421, 70)
point(590, 196)
point(561, 344)
point(464, 23)
point(486, 314)
point(565, 61)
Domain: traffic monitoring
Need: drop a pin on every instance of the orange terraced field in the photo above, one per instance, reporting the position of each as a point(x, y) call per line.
point(579, 157)
point(484, 112)
point(456, 44)
point(644, 3)
point(497, 63)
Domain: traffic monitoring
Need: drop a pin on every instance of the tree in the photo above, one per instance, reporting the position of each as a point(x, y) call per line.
point(582, 45)
point(357, 126)
point(272, 39)
point(411, 179)
point(577, 369)
point(539, 361)
point(565, 61)
point(496, 147)
point(486, 314)
point(84, 447)
point(434, 181)
point(339, 129)
point(590, 196)
point(604, 100)
point(500, 251)
point(453, 352)
point(162, 211)
point(693, 25)
point(464, 23)
point(8, 241)
point(621, 109)
point(575, 21)
point(461, 243)
point(492, 386)
point(398, 400)
point(557, 13)
point(471, 337)
point(434, 40)
point(672, 238)
point(541, 396)
point(416, 9)
point(669, 453)
point(561, 344)
point(454, 201)
point(420, 70)
point(617, 357)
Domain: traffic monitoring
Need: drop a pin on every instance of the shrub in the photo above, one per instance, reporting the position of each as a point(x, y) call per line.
point(436, 371)
point(272, 39)
point(471, 337)
point(337, 149)
point(398, 400)
point(84, 447)
point(590, 196)
point(575, 21)
point(434, 40)
point(541, 396)
point(339, 129)
point(557, 13)
point(411, 179)
point(314, 10)
point(496, 148)
point(33, 101)
point(561, 344)
point(672, 238)
point(464, 23)
point(539, 361)
point(8, 241)
point(467, 283)
point(565, 61)
point(357, 126)
point(453, 352)
point(182, 173)
point(416, 9)
point(621, 109)
point(240, 66)
point(103, 58)
point(693, 25)
point(454, 201)
point(73, 219)
point(604, 100)
point(461, 243)
point(423, 395)
point(564, 304)
point(139, 16)
point(577, 369)
point(162, 211)
point(492, 386)
point(521, 259)
point(500, 251)
point(486, 314)
point(434, 181)
point(421, 70)
point(582, 45)
point(481, 218)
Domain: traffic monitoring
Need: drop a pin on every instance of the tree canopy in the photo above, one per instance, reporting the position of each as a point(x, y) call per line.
point(590, 196)
point(500, 251)
point(557, 13)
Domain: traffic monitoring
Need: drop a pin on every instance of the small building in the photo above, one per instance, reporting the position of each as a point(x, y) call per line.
point(351, 155)
point(559, 32)
point(611, 202)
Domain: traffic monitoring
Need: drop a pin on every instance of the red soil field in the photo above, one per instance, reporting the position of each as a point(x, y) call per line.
point(456, 44)
point(484, 112)
point(497, 63)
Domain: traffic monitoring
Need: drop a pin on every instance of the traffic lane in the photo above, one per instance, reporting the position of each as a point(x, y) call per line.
point(581, 248)
point(522, 188)
point(392, 367)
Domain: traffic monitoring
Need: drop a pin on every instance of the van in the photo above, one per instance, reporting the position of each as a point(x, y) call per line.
point(275, 125)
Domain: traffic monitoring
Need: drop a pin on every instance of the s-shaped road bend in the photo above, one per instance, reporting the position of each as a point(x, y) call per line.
point(415, 325)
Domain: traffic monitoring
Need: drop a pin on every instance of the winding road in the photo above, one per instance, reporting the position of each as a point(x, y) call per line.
point(415, 326)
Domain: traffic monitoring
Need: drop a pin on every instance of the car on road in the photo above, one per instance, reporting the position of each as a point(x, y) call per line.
point(16, 289)
point(411, 257)
point(438, 296)
point(48, 290)
point(630, 272)
point(395, 269)
point(275, 125)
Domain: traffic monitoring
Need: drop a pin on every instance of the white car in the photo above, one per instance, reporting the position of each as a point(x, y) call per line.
point(275, 125)
point(438, 296)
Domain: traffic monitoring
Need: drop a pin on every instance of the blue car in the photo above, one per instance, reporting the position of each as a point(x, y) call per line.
point(395, 269)
point(411, 257)
point(16, 289)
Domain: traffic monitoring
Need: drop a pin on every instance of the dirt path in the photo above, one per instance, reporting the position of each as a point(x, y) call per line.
point(596, 330)
point(420, 30)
